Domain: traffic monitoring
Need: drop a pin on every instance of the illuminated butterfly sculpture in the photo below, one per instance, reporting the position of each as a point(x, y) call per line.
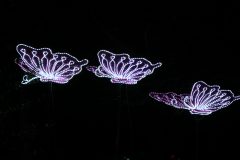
point(48, 66)
point(203, 99)
point(120, 68)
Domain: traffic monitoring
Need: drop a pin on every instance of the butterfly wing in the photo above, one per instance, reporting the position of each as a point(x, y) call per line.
point(140, 68)
point(112, 64)
point(23, 66)
point(170, 98)
point(63, 67)
point(33, 60)
point(91, 68)
point(206, 99)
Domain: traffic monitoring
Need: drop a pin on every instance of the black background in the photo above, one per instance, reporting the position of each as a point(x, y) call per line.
point(79, 120)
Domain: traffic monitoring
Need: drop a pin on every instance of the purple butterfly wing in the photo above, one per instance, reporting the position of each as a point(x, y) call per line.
point(64, 66)
point(140, 68)
point(23, 66)
point(91, 68)
point(111, 63)
point(205, 99)
point(32, 60)
point(170, 98)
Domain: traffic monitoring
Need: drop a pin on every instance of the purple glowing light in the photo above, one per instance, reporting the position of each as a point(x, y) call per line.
point(48, 66)
point(120, 68)
point(203, 99)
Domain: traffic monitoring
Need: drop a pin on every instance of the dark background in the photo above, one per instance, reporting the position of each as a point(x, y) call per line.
point(79, 120)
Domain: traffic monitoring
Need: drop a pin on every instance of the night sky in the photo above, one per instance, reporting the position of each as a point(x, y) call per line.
point(91, 118)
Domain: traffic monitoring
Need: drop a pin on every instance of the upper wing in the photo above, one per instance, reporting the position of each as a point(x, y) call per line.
point(64, 66)
point(208, 98)
point(113, 64)
point(33, 60)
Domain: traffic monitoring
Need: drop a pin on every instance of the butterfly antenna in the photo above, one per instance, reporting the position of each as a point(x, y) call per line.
point(84, 62)
point(236, 98)
point(159, 64)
